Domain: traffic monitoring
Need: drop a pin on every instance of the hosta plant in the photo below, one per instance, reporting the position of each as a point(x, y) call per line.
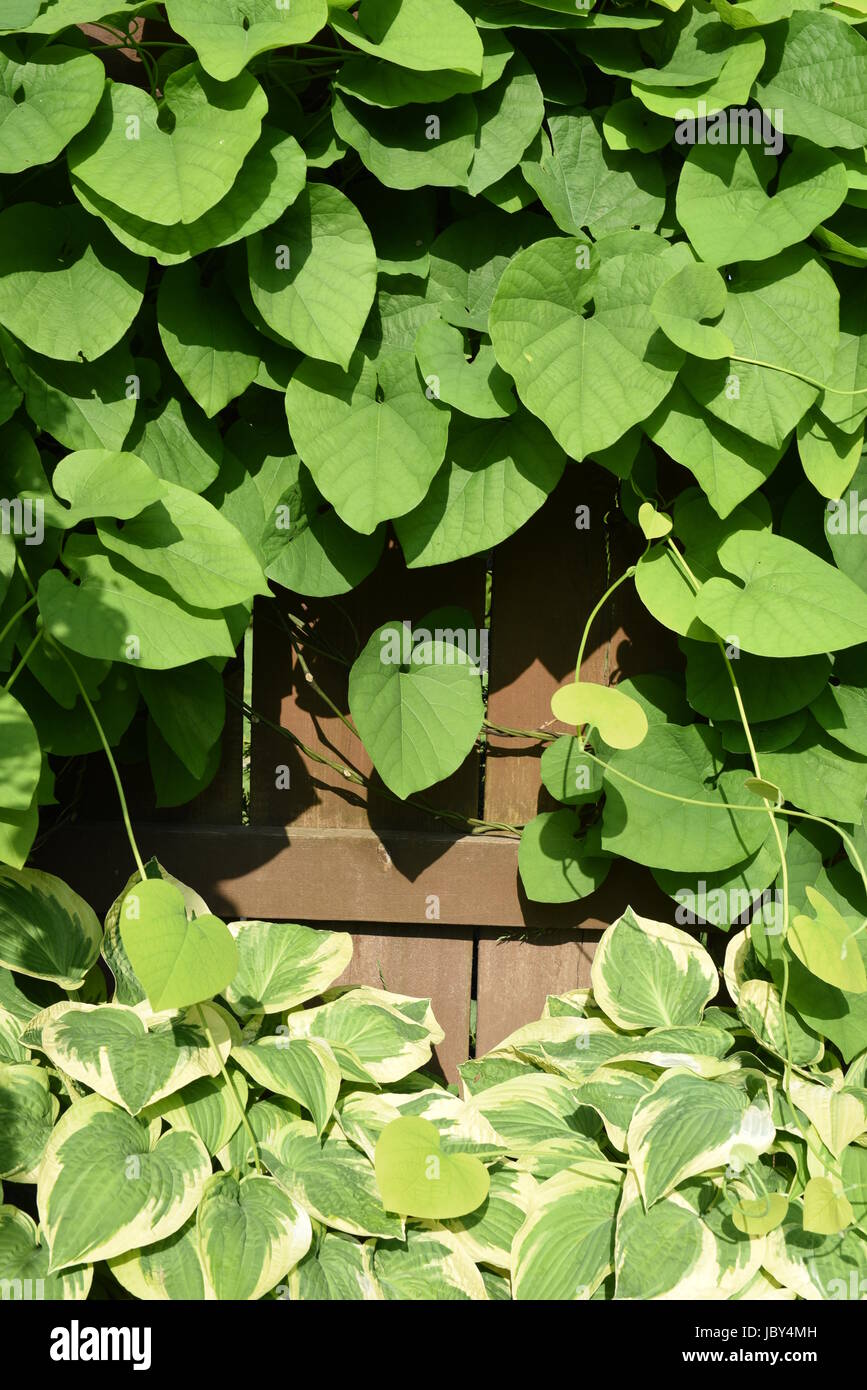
point(637, 1142)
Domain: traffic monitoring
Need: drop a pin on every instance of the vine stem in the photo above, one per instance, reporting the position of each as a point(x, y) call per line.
point(230, 1086)
point(124, 809)
point(604, 599)
point(24, 660)
point(811, 380)
point(7, 628)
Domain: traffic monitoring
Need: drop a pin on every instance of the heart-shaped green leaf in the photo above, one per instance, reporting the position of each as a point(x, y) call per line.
point(417, 703)
point(755, 1216)
point(654, 524)
point(128, 156)
point(724, 207)
point(67, 289)
point(28, 1111)
point(416, 1178)
point(696, 292)
point(313, 274)
point(827, 1210)
point(227, 34)
point(620, 720)
point(179, 962)
point(825, 944)
point(44, 102)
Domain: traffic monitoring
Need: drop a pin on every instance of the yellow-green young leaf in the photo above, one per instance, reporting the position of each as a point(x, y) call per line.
point(178, 962)
point(281, 965)
point(648, 974)
point(654, 524)
point(837, 1116)
point(250, 1233)
point(416, 1178)
point(755, 1216)
point(105, 1187)
point(102, 482)
point(46, 930)
point(620, 720)
point(227, 34)
point(826, 1210)
point(826, 945)
point(768, 790)
point(24, 1264)
point(565, 1248)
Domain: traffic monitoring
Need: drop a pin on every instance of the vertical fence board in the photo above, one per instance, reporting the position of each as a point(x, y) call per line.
point(426, 964)
point(546, 580)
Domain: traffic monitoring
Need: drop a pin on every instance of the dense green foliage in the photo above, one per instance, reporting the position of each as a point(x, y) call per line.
point(304, 272)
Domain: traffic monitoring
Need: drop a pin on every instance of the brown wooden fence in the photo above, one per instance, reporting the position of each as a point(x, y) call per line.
point(433, 912)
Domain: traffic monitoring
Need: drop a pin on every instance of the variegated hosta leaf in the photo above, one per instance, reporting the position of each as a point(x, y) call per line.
point(251, 1234)
point(528, 1109)
point(426, 1265)
point(487, 1234)
point(684, 1247)
point(304, 1069)
point(576, 1047)
point(817, 1267)
point(281, 965)
point(331, 1180)
point(577, 1001)
point(479, 1074)
point(337, 1268)
point(647, 974)
point(109, 1050)
point(169, 1269)
point(28, 1111)
point(389, 1039)
point(363, 1116)
point(687, 1125)
point(550, 1156)
point(760, 1008)
point(762, 1287)
point(107, 1185)
point(614, 1092)
point(565, 1247)
point(205, 1107)
point(46, 930)
point(267, 1119)
point(24, 1264)
point(839, 1116)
